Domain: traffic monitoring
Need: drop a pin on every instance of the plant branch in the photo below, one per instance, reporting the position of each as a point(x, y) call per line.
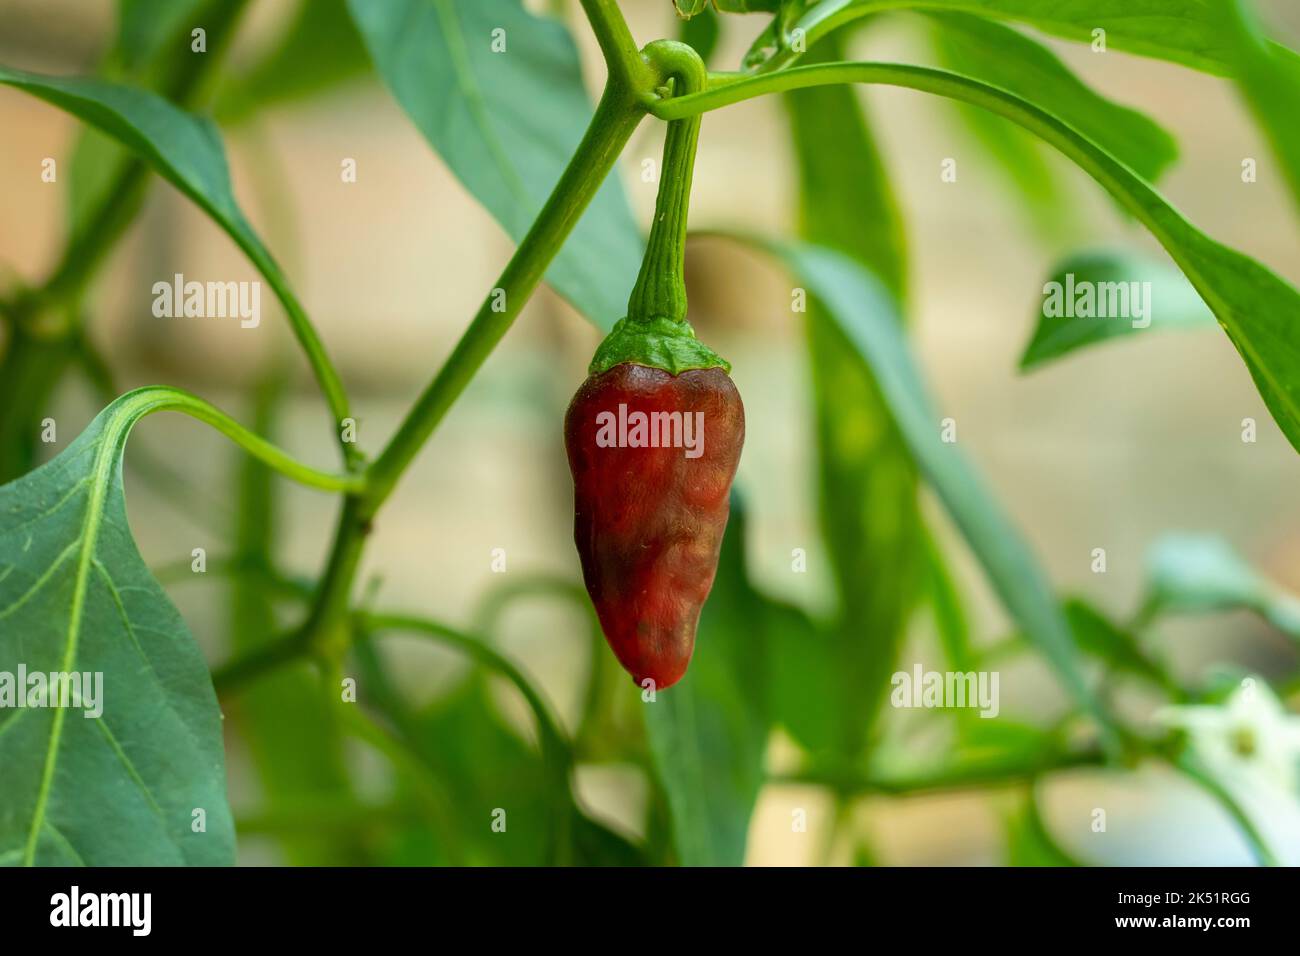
point(622, 58)
point(971, 775)
point(281, 650)
point(157, 398)
point(555, 744)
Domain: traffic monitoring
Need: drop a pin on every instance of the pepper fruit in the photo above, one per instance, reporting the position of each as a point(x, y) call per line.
point(653, 438)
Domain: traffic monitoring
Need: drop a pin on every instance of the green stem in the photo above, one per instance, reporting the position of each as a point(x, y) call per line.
point(626, 67)
point(973, 775)
point(158, 398)
point(555, 744)
point(660, 290)
point(405, 757)
point(325, 630)
point(616, 117)
point(557, 751)
point(269, 657)
point(824, 17)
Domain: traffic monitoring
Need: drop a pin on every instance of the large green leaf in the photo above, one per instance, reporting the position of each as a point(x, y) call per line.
point(1182, 31)
point(868, 317)
point(1270, 82)
point(1259, 311)
point(1165, 296)
point(1192, 573)
point(185, 150)
point(143, 27)
point(1099, 636)
point(506, 124)
point(708, 732)
point(1003, 57)
point(1024, 162)
point(866, 482)
point(75, 596)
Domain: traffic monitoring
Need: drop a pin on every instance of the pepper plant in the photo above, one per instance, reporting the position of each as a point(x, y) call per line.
point(497, 92)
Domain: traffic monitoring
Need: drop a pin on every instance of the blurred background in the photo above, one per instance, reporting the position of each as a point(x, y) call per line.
point(1110, 448)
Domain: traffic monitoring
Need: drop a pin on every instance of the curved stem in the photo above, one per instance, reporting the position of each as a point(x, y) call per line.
point(159, 398)
point(660, 290)
point(557, 751)
point(554, 741)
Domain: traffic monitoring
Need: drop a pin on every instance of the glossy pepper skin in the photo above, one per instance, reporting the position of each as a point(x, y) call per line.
point(648, 521)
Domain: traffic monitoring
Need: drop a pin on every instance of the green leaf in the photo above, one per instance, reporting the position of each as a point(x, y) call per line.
point(708, 732)
point(1110, 279)
point(185, 150)
point(690, 8)
point(1029, 843)
point(949, 611)
point(484, 767)
point(318, 50)
point(75, 596)
point(1023, 161)
point(868, 317)
point(1003, 57)
point(1268, 78)
point(506, 124)
point(866, 483)
point(1193, 574)
point(1181, 31)
point(806, 669)
point(701, 33)
point(145, 25)
point(1259, 311)
point(1100, 637)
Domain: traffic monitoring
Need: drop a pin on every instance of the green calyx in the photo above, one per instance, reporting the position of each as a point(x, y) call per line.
point(655, 332)
point(669, 344)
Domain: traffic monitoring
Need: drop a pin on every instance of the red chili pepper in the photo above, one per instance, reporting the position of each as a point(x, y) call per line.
point(648, 521)
point(651, 494)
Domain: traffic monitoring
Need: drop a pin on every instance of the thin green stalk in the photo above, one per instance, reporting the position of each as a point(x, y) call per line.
point(157, 398)
point(660, 290)
point(403, 756)
point(494, 602)
point(554, 742)
point(269, 657)
point(622, 58)
point(616, 117)
point(964, 776)
point(556, 749)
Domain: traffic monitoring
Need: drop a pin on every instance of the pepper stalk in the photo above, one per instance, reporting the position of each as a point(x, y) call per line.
point(655, 332)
